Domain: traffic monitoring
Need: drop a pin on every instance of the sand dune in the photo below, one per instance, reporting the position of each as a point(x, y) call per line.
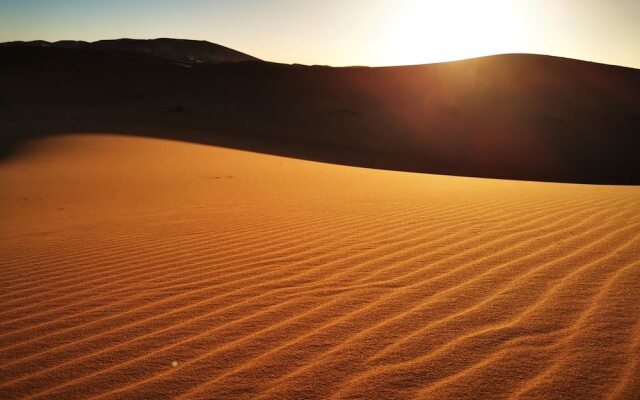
point(137, 268)
point(528, 117)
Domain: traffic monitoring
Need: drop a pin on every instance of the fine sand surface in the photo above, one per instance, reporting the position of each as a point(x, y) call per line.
point(138, 268)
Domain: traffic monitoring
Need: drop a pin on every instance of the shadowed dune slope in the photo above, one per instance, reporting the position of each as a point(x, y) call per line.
point(138, 268)
point(521, 116)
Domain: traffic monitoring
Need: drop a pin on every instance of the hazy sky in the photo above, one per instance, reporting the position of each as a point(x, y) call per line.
point(343, 32)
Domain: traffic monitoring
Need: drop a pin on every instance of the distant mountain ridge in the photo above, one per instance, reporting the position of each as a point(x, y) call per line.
point(181, 50)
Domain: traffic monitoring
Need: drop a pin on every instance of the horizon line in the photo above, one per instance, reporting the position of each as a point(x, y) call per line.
point(333, 65)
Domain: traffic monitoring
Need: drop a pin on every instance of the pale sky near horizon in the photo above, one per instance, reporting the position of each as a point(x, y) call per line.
point(341, 32)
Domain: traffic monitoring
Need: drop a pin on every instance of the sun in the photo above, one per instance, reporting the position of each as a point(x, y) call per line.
point(422, 31)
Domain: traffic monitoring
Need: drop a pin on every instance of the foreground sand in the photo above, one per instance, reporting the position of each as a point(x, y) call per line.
point(137, 268)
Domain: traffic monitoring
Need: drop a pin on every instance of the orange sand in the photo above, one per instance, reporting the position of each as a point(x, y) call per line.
point(136, 268)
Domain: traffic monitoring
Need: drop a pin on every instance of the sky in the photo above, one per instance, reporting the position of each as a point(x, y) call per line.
point(348, 32)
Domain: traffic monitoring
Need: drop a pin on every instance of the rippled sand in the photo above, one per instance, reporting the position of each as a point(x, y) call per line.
point(138, 268)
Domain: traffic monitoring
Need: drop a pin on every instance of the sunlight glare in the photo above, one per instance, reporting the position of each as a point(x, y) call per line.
point(438, 30)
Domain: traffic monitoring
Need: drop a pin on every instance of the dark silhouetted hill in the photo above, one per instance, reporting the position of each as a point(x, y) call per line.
point(510, 116)
point(192, 51)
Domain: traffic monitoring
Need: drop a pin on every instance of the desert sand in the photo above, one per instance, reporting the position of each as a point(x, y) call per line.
point(140, 268)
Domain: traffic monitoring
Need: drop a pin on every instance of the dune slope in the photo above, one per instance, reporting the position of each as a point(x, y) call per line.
point(137, 268)
point(518, 116)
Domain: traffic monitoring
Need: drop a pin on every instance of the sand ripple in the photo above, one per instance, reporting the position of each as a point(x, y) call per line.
point(138, 268)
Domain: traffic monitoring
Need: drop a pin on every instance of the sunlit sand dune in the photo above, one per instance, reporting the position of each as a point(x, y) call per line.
point(137, 268)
